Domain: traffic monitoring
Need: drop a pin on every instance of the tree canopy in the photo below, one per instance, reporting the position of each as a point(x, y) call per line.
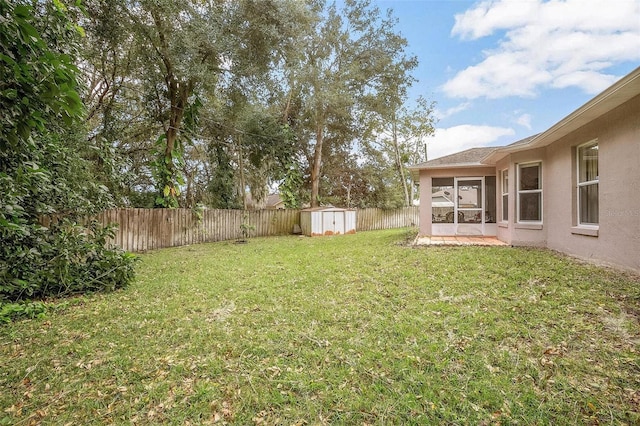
point(158, 103)
point(216, 103)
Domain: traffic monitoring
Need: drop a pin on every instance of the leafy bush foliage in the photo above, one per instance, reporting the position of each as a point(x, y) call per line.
point(44, 167)
point(62, 260)
point(64, 257)
point(11, 311)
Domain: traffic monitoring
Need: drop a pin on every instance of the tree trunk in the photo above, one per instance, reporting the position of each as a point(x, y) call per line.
point(178, 95)
point(315, 167)
point(241, 169)
point(403, 178)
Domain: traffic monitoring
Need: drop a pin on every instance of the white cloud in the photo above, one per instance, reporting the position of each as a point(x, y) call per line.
point(546, 44)
point(485, 17)
point(450, 140)
point(525, 121)
point(440, 115)
point(592, 82)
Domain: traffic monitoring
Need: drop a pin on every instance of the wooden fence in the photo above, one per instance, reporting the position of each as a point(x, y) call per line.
point(374, 219)
point(150, 229)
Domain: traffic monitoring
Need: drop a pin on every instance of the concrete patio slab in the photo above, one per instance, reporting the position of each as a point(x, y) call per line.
point(457, 241)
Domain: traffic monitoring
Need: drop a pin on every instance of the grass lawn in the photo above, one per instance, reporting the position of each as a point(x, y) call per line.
point(357, 329)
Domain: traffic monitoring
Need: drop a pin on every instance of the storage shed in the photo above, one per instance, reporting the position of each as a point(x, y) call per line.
point(327, 221)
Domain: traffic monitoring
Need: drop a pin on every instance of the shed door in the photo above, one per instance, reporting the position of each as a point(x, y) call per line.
point(332, 223)
point(338, 222)
point(327, 223)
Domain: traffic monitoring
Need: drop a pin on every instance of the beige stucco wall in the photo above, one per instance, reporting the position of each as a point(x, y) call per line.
point(512, 232)
point(618, 237)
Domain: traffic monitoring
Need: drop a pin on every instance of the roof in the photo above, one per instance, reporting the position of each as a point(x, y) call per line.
point(468, 158)
point(522, 142)
point(273, 200)
point(620, 92)
point(465, 159)
point(326, 209)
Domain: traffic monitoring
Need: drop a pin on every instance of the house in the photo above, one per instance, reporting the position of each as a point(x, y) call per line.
point(275, 202)
point(271, 202)
point(545, 190)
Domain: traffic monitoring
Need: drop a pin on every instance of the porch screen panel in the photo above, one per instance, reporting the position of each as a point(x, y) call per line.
point(442, 198)
point(469, 200)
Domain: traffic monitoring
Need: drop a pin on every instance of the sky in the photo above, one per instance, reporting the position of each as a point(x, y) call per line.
point(502, 70)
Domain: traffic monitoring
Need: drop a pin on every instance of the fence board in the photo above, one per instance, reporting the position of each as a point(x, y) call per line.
point(376, 219)
point(151, 229)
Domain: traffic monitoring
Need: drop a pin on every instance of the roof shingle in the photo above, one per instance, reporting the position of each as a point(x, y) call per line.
point(468, 157)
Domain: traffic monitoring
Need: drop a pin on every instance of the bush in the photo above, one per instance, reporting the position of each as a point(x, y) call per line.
point(61, 260)
point(46, 166)
point(12, 311)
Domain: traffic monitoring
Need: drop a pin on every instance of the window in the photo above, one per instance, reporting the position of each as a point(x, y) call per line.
point(505, 195)
point(530, 192)
point(588, 184)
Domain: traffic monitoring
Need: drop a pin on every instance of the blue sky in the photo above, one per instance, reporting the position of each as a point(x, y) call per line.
point(502, 70)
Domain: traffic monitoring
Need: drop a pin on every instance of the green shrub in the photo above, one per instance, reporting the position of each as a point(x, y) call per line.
point(47, 167)
point(61, 260)
point(12, 311)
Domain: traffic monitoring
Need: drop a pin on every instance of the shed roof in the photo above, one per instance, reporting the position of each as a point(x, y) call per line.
point(326, 209)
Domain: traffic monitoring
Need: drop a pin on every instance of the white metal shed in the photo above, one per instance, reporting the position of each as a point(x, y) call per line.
point(327, 221)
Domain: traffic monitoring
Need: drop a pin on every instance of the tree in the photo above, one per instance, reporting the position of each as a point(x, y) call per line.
point(292, 186)
point(42, 167)
point(171, 36)
point(400, 138)
point(31, 95)
point(268, 149)
point(348, 59)
point(180, 60)
point(222, 185)
point(117, 124)
point(170, 81)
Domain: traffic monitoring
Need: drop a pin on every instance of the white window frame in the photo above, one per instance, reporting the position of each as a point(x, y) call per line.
point(504, 175)
point(586, 183)
point(529, 191)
